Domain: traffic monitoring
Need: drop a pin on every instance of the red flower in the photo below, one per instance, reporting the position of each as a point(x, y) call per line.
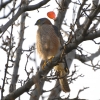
point(51, 15)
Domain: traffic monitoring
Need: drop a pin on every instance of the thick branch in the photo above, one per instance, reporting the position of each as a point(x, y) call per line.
point(47, 68)
point(62, 11)
point(58, 22)
point(55, 92)
point(31, 82)
point(92, 35)
point(83, 58)
point(19, 91)
point(61, 15)
point(2, 5)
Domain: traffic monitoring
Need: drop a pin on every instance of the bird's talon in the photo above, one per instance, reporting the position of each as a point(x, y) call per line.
point(44, 64)
point(50, 59)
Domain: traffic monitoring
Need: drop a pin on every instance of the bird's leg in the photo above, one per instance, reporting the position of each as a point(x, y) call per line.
point(50, 59)
point(46, 61)
point(44, 64)
point(63, 52)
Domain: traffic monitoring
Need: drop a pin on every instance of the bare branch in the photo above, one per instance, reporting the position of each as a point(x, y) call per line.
point(84, 33)
point(55, 92)
point(20, 11)
point(92, 15)
point(61, 14)
point(83, 58)
point(79, 13)
point(18, 54)
point(47, 68)
point(4, 4)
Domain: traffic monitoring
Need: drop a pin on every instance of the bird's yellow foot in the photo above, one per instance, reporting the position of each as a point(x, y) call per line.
point(45, 62)
point(50, 59)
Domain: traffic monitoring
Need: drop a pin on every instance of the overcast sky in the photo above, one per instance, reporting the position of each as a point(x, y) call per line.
point(91, 78)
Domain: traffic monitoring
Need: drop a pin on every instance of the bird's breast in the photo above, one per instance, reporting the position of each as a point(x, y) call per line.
point(48, 42)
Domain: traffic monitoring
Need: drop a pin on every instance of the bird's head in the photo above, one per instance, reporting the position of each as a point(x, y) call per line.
point(42, 21)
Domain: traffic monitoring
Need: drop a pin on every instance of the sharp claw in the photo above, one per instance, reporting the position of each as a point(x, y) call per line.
point(45, 62)
point(50, 59)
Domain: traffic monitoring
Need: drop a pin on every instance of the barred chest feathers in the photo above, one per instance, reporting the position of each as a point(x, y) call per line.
point(47, 43)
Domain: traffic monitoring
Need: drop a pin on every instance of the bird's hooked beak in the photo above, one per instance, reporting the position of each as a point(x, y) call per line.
point(36, 23)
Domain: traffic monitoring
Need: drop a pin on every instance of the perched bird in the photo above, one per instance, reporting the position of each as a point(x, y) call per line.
point(48, 45)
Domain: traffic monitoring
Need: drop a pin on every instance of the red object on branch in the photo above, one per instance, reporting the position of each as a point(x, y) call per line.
point(51, 14)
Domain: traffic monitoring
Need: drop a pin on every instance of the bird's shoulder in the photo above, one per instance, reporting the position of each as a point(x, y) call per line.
point(57, 31)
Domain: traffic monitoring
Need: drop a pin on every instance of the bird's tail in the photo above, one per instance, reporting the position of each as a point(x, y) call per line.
point(63, 81)
point(62, 77)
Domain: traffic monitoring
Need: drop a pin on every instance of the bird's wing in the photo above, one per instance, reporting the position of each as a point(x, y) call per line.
point(58, 33)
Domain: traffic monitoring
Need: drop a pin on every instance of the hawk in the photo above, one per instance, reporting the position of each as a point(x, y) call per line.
point(48, 45)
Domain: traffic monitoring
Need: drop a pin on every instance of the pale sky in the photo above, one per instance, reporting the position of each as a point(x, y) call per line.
point(91, 78)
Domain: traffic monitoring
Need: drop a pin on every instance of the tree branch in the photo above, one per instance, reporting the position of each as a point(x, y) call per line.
point(79, 13)
point(20, 11)
point(63, 6)
point(55, 92)
point(47, 68)
point(90, 18)
point(2, 5)
point(62, 11)
point(83, 58)
point(18, 54)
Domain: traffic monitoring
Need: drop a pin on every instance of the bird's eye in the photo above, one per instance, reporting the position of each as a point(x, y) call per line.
point(38, 21)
